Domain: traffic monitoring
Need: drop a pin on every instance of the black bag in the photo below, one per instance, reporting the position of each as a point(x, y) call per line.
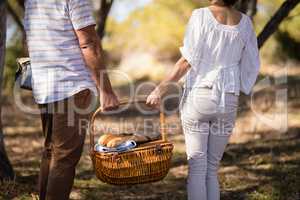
point(24, 74)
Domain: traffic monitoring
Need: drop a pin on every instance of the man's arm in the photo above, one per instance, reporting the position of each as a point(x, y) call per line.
point(93, 55)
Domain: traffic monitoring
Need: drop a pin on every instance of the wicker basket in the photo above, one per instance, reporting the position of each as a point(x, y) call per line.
point(147, 163)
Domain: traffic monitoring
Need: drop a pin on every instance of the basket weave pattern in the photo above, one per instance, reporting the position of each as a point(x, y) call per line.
point(148, 163)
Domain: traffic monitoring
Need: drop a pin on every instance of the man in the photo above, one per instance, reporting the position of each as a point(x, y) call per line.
point(67, 67)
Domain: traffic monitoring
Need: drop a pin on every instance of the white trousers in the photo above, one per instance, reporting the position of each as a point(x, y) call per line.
point(207, 132)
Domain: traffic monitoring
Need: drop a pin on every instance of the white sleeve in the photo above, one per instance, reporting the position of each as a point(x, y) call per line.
point(191, 38)
point(81, 13)
point(250, 62)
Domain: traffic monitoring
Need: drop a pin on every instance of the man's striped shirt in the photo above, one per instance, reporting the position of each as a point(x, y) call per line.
point(58, 67)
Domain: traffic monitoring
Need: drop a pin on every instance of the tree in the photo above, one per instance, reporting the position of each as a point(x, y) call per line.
point(21, 3)
point(248, 7)
point(13, 12)
point(101, 16)
point(16, 9)
point(6, 170)
point(147, 29)
point(275, 21)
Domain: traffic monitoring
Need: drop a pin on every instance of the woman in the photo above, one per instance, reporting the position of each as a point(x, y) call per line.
point(220, 55)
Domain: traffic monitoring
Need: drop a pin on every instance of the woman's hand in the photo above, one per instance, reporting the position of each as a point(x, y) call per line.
point(154, 98)
point(180, 69)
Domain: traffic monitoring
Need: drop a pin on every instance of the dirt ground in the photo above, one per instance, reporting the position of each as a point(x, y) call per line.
point(262, 161)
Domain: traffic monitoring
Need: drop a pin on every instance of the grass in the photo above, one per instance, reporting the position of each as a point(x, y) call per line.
point(259, 163)
point(257, 170)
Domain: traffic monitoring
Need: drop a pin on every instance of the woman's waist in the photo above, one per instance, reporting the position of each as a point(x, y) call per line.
point(209, 90)
point(215, 63)
point(203, 71)
point(226, 85)
point(208, 94)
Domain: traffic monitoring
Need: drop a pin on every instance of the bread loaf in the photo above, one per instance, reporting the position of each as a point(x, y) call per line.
point(104, 139)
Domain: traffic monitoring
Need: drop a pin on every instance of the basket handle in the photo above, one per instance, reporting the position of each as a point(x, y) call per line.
point(125, 102)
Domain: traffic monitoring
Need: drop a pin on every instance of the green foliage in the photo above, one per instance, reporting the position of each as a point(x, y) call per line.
point(157, 28)
point(14, 48)
point(283, 44)
point(19, 11)
point(289, 48)
point(12, 52)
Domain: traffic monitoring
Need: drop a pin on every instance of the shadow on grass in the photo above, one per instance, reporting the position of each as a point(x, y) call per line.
point(275, 161)
point(275, 164)
point(20, 188)
point(169, 189)
point(280, 180)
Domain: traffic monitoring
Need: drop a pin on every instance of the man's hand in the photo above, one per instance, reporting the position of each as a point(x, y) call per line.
point(109, 101)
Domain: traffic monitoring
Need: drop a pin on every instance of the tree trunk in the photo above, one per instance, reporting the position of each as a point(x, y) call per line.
point(6, 170)
point(275, 21)
point(249, 7)
point(105, 6)
point(16, 18)
point(21, 3)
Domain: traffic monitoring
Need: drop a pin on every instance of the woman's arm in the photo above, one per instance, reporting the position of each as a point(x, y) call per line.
point(181, 68)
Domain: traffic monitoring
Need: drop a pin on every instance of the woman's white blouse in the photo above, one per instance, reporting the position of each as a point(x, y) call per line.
point(223, 57)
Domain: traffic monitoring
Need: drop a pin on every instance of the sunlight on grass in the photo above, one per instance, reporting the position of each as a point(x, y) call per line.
point(259, 196)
